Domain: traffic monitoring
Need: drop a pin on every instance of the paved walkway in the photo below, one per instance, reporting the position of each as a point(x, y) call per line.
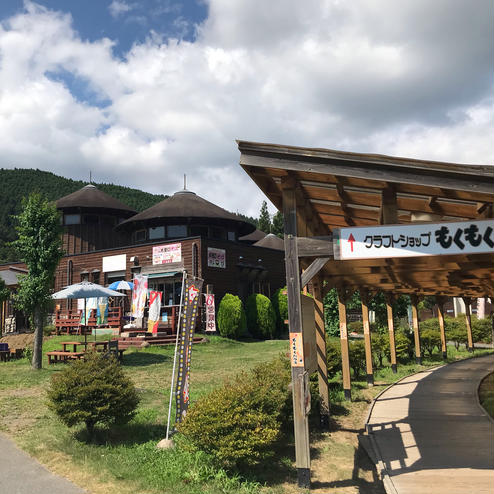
point(21, 474)
point(430, 435)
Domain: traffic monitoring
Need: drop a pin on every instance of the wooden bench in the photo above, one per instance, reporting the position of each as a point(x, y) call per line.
point(60, 356)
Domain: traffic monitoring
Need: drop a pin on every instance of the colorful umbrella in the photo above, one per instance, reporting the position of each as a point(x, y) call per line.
point(121, 285)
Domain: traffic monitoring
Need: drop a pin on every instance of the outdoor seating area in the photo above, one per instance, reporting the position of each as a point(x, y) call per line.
point(71, 350)
point(7, 353)
point(69, 321)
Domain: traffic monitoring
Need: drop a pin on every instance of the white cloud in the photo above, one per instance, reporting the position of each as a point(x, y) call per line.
point(330, 74)
point(119, 7)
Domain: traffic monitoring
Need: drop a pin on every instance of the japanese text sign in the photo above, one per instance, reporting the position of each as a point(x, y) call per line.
point(210, 316)
point(425, 239)
point(216, 258)
point(167, 254)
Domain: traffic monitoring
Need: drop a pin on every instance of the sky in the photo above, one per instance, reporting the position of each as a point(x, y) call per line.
point(141, 92)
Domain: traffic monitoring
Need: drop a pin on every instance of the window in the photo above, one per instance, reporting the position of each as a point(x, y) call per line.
point(231, 236)
point(171, 289)
point(72, 219)
point(176, 231)
point(199, 231)
point(140, 235)
point(156, 232)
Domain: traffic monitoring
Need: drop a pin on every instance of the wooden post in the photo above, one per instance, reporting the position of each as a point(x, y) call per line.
point(364, 297)
point(440, 317)
point(416, 333)
point(322, 364)
point(391, 330)
point(299, 381)
point(345, 355)
point(468, 321)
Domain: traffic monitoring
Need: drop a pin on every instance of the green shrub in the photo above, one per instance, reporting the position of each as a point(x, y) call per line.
point(280, 306)
point(261, 318)
point(239, 422)
point(231, 317)
point(380, 348)
point(357, 357)
point(482, 330)
point(456, 331)
point(93, 391)
point(333, 356)
point(356, 327)
point(429, 340)
point(431, 323)
point(402, 345)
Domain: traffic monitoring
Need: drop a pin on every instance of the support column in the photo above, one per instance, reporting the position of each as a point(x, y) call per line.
point(468, 321)
point(416, 333)
point(364, 297)
point(322, 364)
point(440, 317)
point(391, 330)
point(345, 354)
point(299, 376)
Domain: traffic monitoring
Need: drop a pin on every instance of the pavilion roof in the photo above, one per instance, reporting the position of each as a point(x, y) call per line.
point(340, 189)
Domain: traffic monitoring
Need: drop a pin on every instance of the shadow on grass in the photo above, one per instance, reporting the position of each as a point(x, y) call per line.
point(128, 435)
point(140, 359)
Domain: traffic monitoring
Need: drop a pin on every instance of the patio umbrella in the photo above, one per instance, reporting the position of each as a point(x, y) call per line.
point(85, 289)
point(121, 285)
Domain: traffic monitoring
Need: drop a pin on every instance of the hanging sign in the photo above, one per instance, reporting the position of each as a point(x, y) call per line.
point(139, 295)
point(191, 296)
point(154, 311)
point(210, 316)
point(426, 239)
point(167, 254)
point(216, 258)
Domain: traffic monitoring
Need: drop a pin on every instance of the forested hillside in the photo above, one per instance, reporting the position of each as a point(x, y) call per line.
point(18, 183)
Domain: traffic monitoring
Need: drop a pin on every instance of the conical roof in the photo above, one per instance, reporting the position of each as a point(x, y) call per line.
point(271, 241)
point(90, 197)
point(253, 237)
point(187, 204)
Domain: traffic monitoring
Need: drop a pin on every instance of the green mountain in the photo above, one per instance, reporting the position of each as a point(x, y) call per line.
point(18, 183)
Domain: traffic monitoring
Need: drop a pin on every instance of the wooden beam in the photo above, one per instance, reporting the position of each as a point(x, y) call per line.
point(391, 330)
point(313, 270)
point(345, 355)
point(389, 210)
point(468, 320)
point(322, 364)
point(315, 246)
point(364, 297)
point(299, 381)
point(440, 317)
point(416, 332)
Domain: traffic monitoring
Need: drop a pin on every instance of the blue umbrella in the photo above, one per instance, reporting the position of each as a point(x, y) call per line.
point(121, 285)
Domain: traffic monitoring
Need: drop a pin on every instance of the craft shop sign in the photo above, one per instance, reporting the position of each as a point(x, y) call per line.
point(426, 239)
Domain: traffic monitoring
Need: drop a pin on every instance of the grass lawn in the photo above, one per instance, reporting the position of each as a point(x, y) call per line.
point(486, 394)
point(126, 461)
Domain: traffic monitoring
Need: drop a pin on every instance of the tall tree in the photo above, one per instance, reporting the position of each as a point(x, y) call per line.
point(264, 223)
point(278, 227)
point(39, 245)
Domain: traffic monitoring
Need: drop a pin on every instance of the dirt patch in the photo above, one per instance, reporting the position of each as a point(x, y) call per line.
point(22, 340)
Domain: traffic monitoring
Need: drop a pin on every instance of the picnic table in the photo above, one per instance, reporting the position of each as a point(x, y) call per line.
point(73, 344)
point(61, 356)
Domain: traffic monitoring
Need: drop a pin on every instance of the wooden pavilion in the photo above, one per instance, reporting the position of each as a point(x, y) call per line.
point(321, 190)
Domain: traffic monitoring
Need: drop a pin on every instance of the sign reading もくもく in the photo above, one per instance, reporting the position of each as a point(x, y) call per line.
point(426, 239)
point(216, 258)
point(167, 254)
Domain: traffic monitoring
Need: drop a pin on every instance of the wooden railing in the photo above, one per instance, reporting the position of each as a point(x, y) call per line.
point(69, 321)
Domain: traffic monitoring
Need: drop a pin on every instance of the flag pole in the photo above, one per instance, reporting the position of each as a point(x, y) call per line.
point(175, 356)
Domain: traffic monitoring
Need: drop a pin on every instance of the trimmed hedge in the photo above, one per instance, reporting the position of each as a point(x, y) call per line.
point(280, 306)
point(239, 422)
point(231, 317)
point(261, 318)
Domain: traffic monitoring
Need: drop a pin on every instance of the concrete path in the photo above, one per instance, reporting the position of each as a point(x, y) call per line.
point(21, 474)
point(430, 435)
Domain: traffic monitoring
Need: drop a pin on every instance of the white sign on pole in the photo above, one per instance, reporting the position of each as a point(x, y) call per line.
point(210, 316)
point(425, 239)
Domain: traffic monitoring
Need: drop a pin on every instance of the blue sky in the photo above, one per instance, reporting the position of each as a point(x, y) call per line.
point(141, 92)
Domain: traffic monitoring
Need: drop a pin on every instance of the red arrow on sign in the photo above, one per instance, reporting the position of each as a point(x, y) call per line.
point(351, 239)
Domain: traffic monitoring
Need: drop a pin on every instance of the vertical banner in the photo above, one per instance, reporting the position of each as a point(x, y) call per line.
point(191, 297)
point(154, 311)
point(139, 295)
point(210, 316)
point(102, 312)
point(90, 304)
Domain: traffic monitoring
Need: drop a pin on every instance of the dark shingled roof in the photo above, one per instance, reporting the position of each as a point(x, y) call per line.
point(187, 204)
point(271, 241)
point(253, 237)
point(89, 197)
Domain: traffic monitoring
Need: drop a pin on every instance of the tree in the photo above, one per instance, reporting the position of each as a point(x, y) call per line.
point(264, 223)
point(278, 226)
point(39, 245)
